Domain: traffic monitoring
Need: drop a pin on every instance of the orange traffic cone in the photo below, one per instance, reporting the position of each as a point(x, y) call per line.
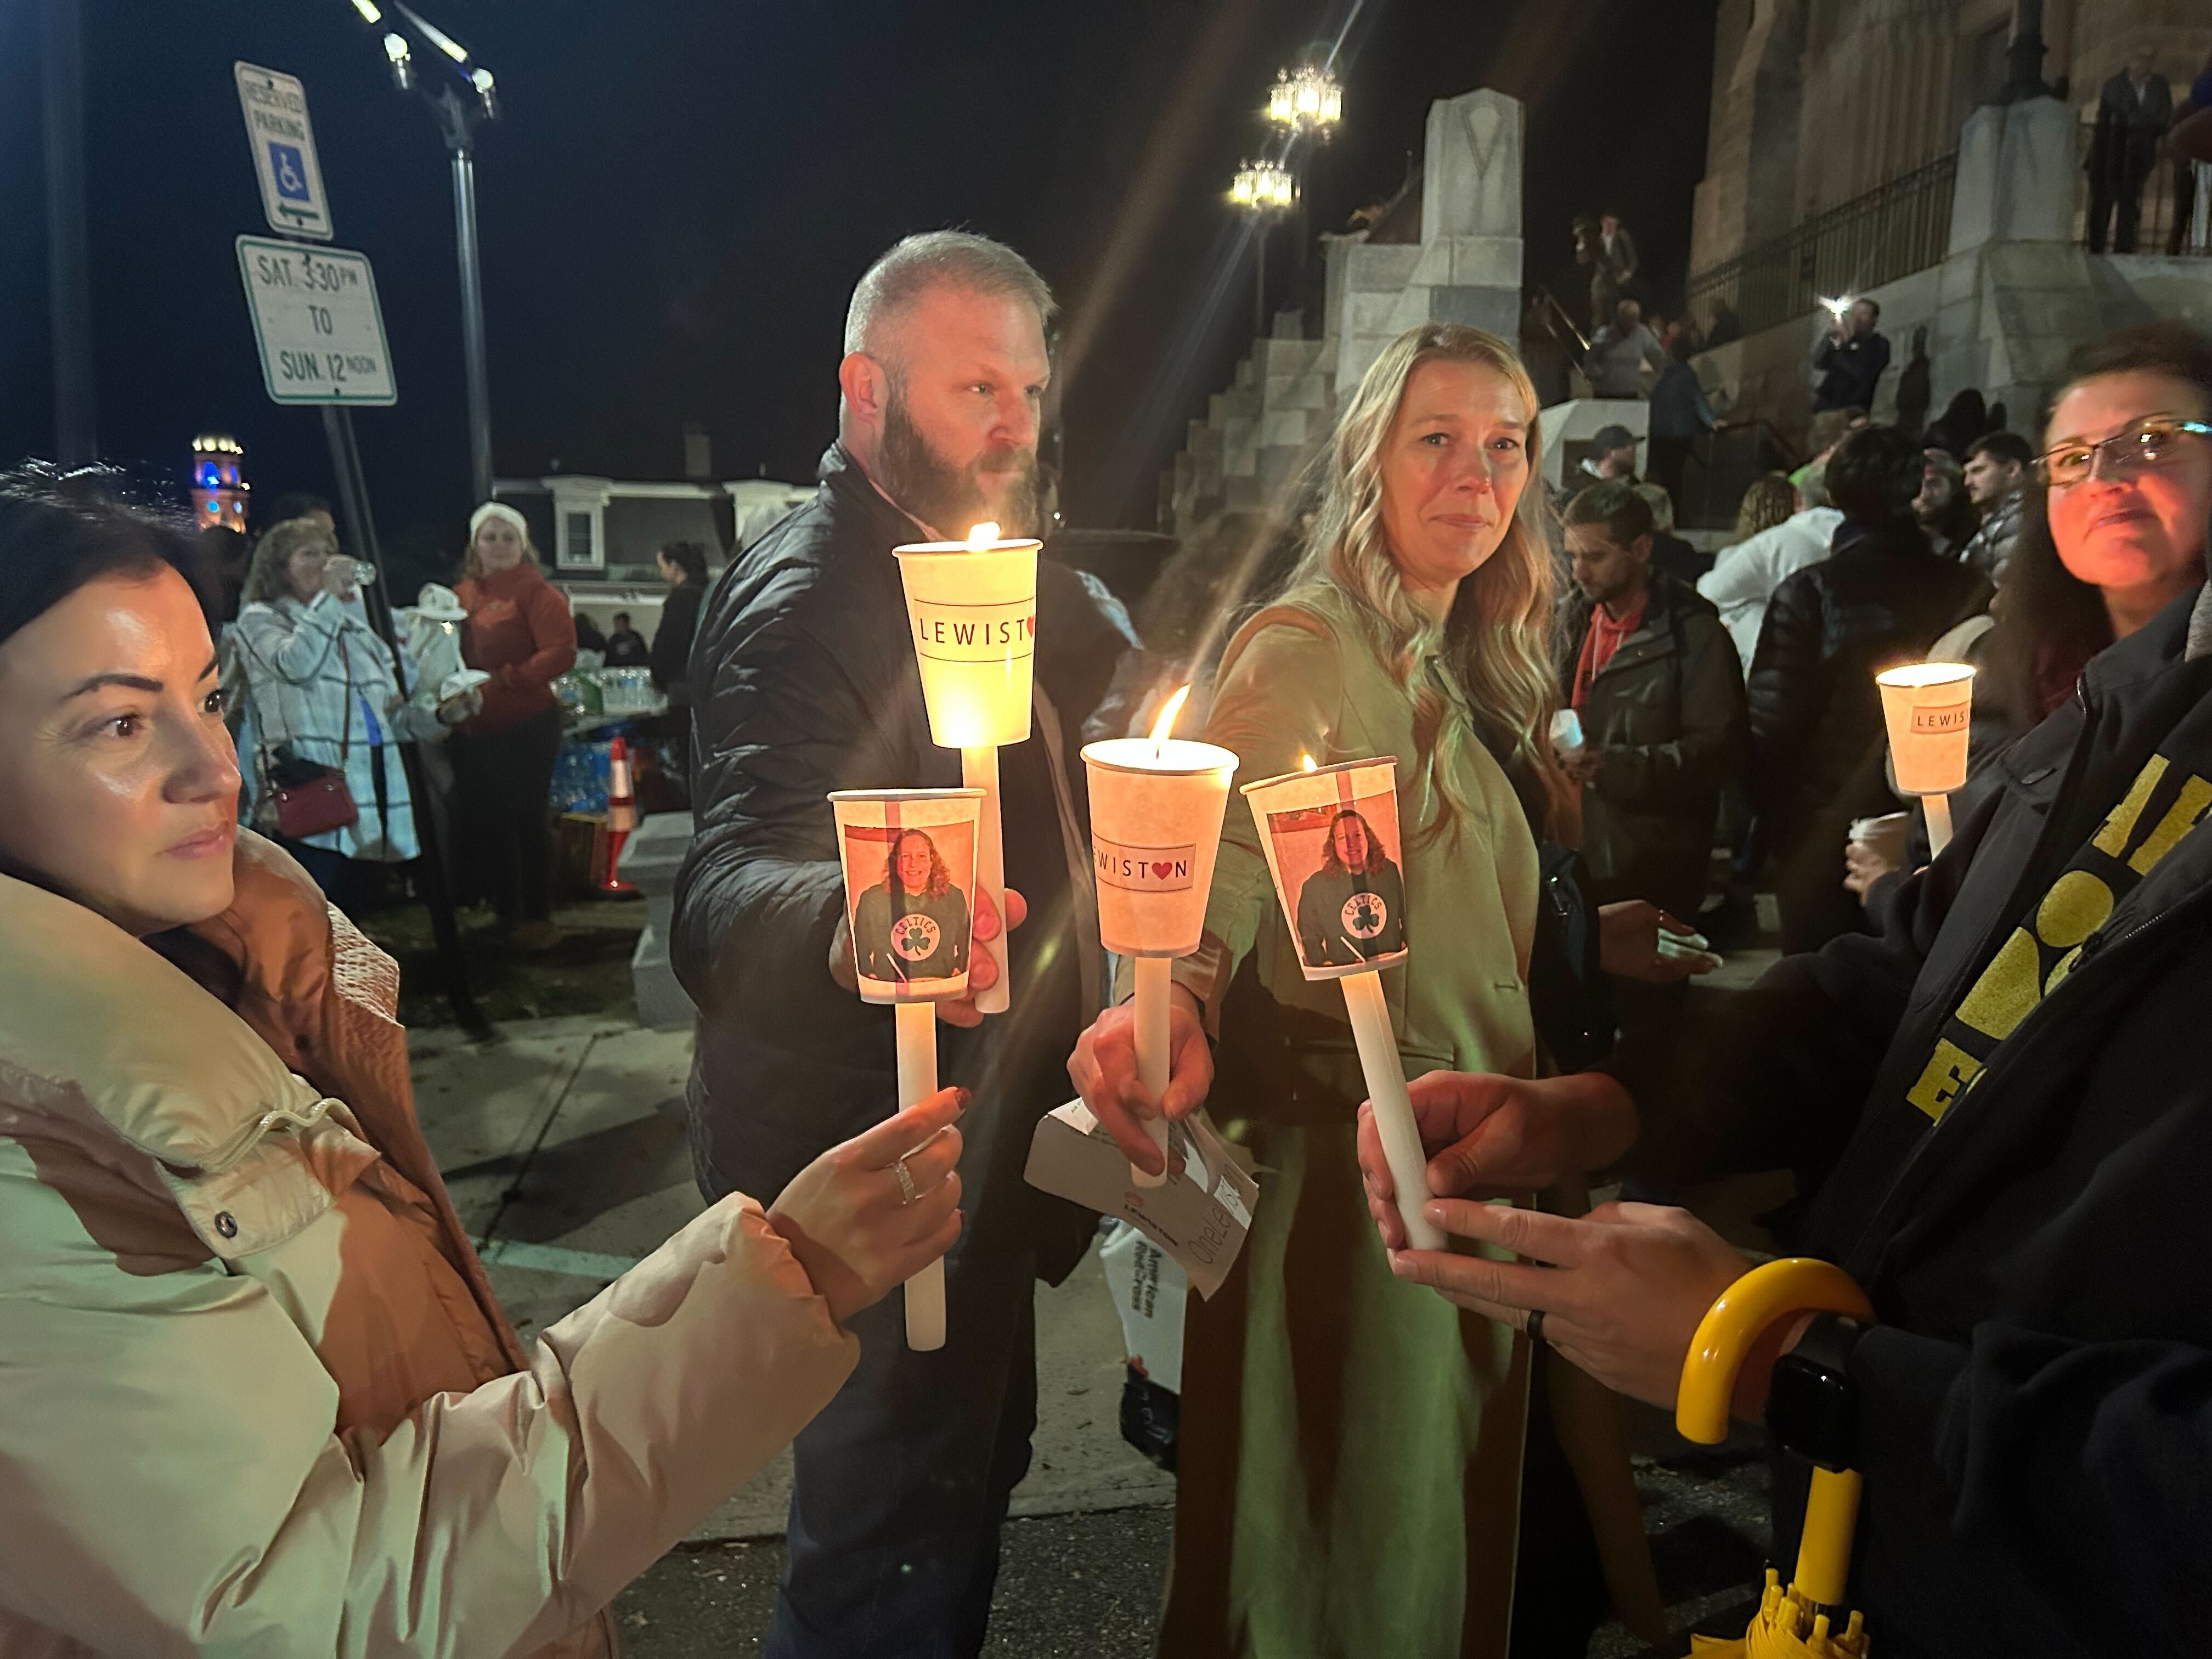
point(622, 817)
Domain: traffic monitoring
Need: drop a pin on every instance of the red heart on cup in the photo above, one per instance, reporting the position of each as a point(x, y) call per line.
point(1161, 871)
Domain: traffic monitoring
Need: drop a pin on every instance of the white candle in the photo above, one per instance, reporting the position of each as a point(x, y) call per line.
point(909, 856)
point(972, 608)
point(1156, 809)
point(1928, 708)
point(1333, 846)
point(917, 1081)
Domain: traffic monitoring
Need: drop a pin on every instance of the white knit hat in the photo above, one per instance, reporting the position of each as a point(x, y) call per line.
point(498, 510)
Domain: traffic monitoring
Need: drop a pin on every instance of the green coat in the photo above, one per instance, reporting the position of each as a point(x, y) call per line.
point(1350, 1448)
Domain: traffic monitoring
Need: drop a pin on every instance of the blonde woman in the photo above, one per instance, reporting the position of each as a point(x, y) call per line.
point(520, 631)
point(1775, 538)
point(1350, 1459)
point(322, 694)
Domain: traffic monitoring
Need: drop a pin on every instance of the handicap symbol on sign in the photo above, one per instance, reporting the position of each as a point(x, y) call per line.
point(290, 171)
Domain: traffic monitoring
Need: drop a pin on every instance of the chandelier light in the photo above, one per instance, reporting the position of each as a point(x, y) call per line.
point(1307, 101)
point(1263, 187)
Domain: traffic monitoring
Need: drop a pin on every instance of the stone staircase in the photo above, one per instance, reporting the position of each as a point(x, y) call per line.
point(1257, 436)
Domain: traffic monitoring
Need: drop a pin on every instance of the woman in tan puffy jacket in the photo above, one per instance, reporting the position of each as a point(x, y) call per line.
point(255, 1393)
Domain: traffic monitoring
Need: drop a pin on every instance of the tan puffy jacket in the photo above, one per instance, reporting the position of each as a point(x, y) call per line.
point(256, 1397)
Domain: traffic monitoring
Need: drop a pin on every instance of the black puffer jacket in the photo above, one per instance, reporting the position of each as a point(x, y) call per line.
point(2034, 1409)
point(805, 680)
point(1881, 597)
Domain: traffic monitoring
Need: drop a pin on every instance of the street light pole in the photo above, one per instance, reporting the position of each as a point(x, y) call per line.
point(457, 122)
point(460, 95)
point(69, 281)
point(1261, 189)
point(1259, 276)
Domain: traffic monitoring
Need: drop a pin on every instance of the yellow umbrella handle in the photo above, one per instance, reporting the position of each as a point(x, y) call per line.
point(1777, 1290)
point(1774, 1291)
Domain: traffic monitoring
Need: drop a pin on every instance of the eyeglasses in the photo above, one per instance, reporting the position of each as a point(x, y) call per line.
point(2154, 440)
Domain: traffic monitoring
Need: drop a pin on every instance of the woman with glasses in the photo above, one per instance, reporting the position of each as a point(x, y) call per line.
point(2113, 531)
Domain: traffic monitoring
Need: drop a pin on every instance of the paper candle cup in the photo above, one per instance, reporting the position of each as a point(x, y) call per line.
point(973, 613)
point(909, 862)
point(1331, 837)
point(1156, 812)
point(1929, 708)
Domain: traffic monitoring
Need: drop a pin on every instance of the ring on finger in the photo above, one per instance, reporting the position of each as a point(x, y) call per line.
point(1534, 1326)
point(908, 1191)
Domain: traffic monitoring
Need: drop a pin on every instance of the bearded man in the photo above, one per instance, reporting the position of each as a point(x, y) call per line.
point(804, 681)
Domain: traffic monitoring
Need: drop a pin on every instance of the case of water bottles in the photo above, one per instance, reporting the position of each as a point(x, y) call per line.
point(580, 777)
point(627, 691)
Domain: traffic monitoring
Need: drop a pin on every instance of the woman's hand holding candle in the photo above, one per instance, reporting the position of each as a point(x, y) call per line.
point(1487, 1136)
point(1103, 1068)
point(845, 1215)
point(982, 968)
point(1622, 1290)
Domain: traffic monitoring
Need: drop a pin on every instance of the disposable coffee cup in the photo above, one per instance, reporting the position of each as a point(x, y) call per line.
point(1156, 812)
point(1332, 847)
point(971, 607)
point(1929, 709)
point(909, 862)
point(1884, 836)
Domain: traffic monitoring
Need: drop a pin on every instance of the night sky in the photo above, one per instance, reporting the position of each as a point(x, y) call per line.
point(679, 194)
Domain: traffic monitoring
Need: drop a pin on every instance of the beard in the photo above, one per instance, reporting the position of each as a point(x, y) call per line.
point(1000, 483)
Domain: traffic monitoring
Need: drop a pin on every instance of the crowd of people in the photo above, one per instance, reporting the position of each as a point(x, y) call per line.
point(257, 1391)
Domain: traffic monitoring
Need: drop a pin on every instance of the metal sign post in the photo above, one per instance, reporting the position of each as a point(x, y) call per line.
point(321, 334)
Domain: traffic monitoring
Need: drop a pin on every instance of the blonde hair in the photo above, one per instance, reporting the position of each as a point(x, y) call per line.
point(472, 566)
point(1768, 500)
point(268, 577)
point(1493, 653)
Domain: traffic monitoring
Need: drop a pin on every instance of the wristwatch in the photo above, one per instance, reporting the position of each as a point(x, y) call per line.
point(1812, 1404)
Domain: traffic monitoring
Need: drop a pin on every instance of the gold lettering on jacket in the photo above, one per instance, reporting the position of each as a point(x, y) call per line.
point(2078, 904)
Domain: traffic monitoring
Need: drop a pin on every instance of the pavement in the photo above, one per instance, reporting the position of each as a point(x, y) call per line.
point(562, 1142)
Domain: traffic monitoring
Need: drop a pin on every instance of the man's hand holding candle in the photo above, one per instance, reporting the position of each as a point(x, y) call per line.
point(982, 968)
point(1104, 1070)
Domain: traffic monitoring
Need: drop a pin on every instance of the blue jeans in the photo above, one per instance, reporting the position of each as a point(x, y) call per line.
point(903, 1481)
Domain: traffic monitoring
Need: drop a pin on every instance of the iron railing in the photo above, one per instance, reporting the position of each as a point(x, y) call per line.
point(2167, 195)
point(1892, 231)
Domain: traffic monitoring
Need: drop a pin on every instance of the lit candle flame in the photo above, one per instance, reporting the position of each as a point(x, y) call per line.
point(1307, 763)
point(981, 536)
point(1169, 710)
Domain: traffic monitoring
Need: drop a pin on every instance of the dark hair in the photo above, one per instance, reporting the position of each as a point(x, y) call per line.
point(621, 616)
point(60, 531)
point(1616, 504)
point(1873, 476)
point(2172, 348)
point(2051, 621)
point(689, 557)
point(297, 504)
point(1682, 347)
point(1871, 304)
point(2003, 446)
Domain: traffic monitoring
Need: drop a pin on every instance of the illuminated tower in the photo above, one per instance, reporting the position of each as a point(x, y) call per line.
point(218, 491)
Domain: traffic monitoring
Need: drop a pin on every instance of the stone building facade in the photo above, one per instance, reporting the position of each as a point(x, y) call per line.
point(1818, 102)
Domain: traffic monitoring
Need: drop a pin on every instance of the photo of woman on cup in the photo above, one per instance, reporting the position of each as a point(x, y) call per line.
point(1352, 909)
point(914, 923)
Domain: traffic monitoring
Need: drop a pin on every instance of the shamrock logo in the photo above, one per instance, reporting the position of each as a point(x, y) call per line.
point(1364, 915)
point(914, 938)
